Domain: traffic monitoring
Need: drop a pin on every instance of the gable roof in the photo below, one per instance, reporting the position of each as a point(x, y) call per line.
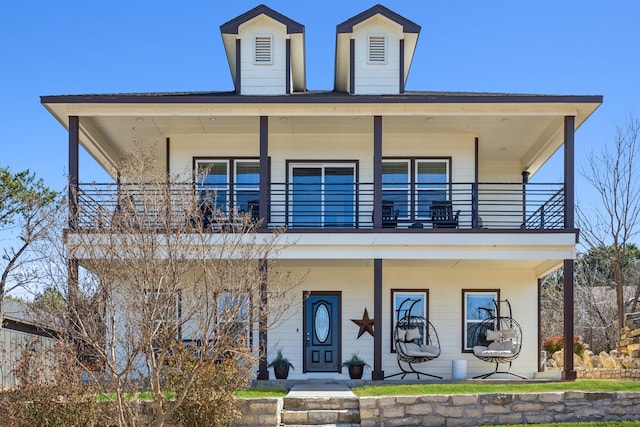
point(231, 27)
point(407, 25)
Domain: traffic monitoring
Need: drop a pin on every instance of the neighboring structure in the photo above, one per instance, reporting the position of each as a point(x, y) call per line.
point(21, 332)
point(355, 174)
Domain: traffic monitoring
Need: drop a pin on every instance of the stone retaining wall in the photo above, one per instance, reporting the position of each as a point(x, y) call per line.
point(259, 412)
point(471, 410)
point(468, 410)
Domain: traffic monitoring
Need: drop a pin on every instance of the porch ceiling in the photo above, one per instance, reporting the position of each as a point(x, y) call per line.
point(526, 132)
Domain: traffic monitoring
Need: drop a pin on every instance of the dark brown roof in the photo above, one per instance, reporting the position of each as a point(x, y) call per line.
point(231, 27)
point(321, 97)
point(407, 25)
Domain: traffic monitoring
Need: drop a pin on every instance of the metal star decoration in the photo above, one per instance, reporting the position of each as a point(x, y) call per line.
point(365, 324)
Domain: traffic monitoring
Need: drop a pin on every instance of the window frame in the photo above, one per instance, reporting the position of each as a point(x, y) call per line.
point(246, 325)
point(494, 293)
point(231, 186)
point(413, 184)
point(395, 293)
point(323, 165)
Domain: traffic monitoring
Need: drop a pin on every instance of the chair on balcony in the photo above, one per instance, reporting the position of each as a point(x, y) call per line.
point(497, 339)
point(254, 208)
point(442, 215)
point(389, 215)
point(415, 340)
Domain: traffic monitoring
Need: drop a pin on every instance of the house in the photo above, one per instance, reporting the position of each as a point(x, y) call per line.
point(386, 194)
point(23, 329)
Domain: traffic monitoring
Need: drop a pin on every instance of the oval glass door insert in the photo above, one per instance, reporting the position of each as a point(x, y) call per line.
point(321, 322)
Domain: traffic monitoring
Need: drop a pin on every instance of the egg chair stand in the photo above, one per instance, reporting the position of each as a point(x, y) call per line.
point(497, 339)
point(415, 340)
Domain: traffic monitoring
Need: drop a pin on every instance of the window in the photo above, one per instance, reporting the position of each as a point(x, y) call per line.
point(263, 53)
point(165, 310)
point(233, 318)
point(477, 305)
point(413, 184)
point(377, 49)
point(230, 183)
point(322, 195)
point(404, 302)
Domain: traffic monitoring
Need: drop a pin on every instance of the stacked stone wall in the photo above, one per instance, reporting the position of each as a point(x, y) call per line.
point(496, 409)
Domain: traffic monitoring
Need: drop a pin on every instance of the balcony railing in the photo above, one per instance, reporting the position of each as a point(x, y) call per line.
point(332, 207)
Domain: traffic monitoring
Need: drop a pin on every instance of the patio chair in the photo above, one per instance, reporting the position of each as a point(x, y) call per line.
point(497, 339)
point(442, 215)
point(389, 215)
point(415, 340)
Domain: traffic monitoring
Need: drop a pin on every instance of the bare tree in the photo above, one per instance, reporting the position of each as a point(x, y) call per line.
point(173, 294)
point(612, 224)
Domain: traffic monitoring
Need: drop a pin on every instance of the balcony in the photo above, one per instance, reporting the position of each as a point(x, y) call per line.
point(331, 207)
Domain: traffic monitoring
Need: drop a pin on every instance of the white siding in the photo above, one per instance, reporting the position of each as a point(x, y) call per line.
point(256, 78)
point(377, 78)
point(445, 284)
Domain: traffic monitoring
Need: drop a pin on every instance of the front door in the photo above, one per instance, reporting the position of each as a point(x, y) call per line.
point(322, 332)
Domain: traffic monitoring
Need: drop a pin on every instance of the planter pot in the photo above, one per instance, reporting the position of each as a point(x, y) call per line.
point(356, 371)
point(281, 371)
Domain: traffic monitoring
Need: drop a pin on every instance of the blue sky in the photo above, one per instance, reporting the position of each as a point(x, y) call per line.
point(577, 47)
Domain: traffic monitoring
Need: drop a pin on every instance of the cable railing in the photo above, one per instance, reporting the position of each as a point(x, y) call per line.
point(328, 206)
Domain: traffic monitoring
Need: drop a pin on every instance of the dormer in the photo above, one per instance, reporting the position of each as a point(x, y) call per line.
point(265, 50)
point(374, 50)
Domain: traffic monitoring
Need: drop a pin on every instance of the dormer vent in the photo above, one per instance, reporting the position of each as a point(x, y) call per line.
point(377, 49)
point(374, 50)
point(263, 49)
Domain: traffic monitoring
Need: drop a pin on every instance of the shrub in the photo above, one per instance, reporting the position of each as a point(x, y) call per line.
point(50, 391)
point(209, 400)
point(556, 343)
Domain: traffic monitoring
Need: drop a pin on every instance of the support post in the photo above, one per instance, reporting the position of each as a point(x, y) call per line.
point(569, 373)
point(74, 169)
point(263, 372)
point(263, 209)
point(377, 172)
point(377, 373)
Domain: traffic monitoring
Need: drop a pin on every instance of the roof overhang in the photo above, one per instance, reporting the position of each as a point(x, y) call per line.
point(526, 128)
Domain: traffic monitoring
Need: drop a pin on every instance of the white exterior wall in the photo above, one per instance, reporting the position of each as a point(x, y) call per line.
point(355, 280)
point(377, 78)
point(262, 79)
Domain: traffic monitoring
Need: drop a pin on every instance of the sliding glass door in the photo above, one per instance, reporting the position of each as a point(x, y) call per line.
point(322, 195)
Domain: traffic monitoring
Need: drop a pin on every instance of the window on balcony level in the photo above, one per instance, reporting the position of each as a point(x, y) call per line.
point(230, 183)
point(413, 184)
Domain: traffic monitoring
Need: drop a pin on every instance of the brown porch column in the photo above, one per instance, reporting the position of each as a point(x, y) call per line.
point(569, 374)
point(377, 373)
point(74, 146)
point(377, 172)
point(263, 209)
point(263, 372)
point(569, 224)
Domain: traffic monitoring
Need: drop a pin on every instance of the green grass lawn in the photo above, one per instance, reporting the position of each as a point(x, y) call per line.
point(480, 388)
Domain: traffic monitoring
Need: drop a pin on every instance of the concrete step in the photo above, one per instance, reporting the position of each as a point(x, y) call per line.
point(320, 403)
point(318, 417)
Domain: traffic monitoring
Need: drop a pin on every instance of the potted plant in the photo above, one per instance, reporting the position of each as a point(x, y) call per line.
point(356, 366)
point(280, 366)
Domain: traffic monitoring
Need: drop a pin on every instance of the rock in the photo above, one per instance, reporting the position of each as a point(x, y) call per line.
point(558, 358)
point(606, 361)
point(588, 359)
point(630, 363)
